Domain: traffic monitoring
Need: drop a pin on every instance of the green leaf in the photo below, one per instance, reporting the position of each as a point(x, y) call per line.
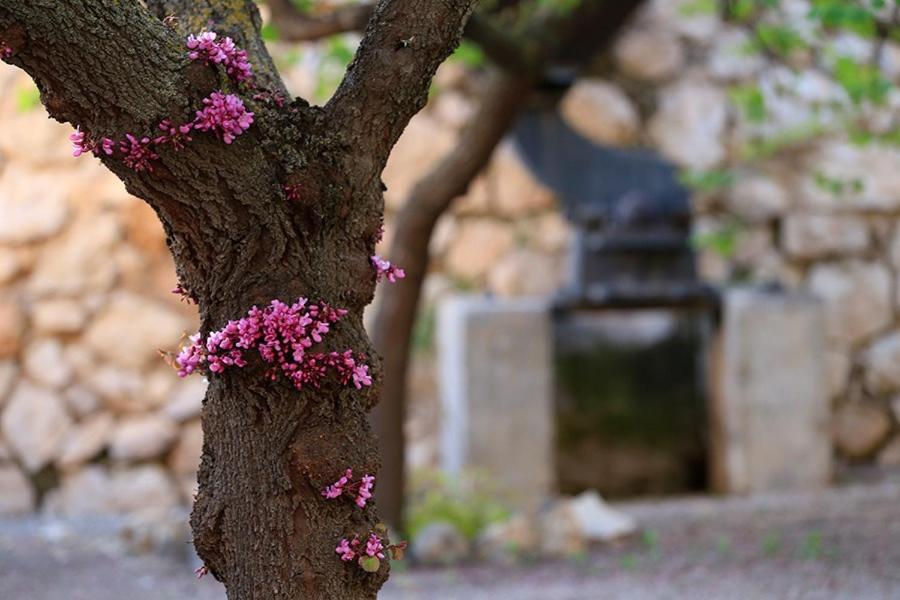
point(751, 101)
point(370, 564)
point(844, 14)
point(723, 241)
point(28, 98)
point(861, 81)
point(469, 54)
point(269, 32)
point(712, 180)
point(781, 40)
point(699, 7)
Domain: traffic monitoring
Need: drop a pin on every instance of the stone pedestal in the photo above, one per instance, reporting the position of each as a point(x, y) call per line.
point(770, 405)
point(496, 392)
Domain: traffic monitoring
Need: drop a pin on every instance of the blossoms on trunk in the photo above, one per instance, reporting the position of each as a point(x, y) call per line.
point(282, 335)
point(360, 490)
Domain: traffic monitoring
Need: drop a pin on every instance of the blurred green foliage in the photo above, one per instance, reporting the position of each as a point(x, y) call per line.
point(469, 502)
point(28, 97)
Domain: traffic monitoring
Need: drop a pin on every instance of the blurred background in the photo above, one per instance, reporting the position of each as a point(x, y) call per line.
point(672, 285)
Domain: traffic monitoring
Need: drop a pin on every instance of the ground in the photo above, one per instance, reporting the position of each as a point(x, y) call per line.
point(844, 543)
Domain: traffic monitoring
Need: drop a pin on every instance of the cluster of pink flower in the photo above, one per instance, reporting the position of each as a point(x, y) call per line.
point(360, 490)
point(5, 51)
point(350, 549)
point(225, 115)
point(384, 269)
point(205, 46)
point(292, 191)
point(184, 294)
point(282, 335)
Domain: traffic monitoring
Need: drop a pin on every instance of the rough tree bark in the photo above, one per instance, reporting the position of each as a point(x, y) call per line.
point(113, 66)
point(571, 41)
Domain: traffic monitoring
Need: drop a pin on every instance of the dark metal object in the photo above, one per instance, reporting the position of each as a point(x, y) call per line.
point(632, 217)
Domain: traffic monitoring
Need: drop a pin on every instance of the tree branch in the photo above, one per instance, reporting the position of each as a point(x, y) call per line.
point(238, 19)
point(132, 79)
point(388, 80)
point(296, 26)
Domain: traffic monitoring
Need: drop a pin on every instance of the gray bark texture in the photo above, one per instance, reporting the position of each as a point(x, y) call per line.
point(116, 66)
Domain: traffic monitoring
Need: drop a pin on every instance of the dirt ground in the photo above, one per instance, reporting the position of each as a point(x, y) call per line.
point(841, 544)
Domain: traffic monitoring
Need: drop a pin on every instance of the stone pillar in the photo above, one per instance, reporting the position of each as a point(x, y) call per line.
point(770, 407)
point(496, 392)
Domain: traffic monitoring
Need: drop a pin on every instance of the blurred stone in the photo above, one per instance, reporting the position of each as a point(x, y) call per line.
point(444, 233)
point(145, 487)
point(601, 112)
point(10, 265)
point(816, 236)
point(859, 428)
point(597, 521)
point(512, 189)
point(770, 403)
point(8, 372)
point(32, 204)
point(159, 384)
point(187, 400)
point(453, 109)
point(729, 58)
point(439, 543)
point(423, 143)
point(890, 454)
point(689, 124)
point(839, 365)
point(857, 299)
point(95, 491)
point(142, 437)
point(495, 384)
point(58, 316)
point(869, 175)
point(80, 260)
point(121, 389)
point(16, 494)
point(85, 492)
point(164, 532)
point(12, 327)
point(560, 532)
point(478, 246)
point(882, 365)
point(757, 198)
point(46, 364)
point(81, 401)
point(30, 134)
point(649, 55)
point(552, 233)
point(507, 541)
point(34, 425)
point(130, 330)
point(525, 273)
point(86, 440)
point(184, 460)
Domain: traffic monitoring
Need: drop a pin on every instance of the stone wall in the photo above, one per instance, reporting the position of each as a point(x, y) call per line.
point(92, 420)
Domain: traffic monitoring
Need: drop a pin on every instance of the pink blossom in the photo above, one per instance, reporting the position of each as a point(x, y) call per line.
point(201, 571)
point(374, 546)
point(384, 269)
point(224, 115)
point(347, 548)
point(365, 490)
point(139, 154)
point(80, 144)
point(5, 51)
point(205, 46)
point(176, 135)
point(337, 488)
point(282, 335)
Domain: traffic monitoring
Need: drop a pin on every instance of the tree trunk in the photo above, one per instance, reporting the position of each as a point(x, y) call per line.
point(260, 522)
point(500, 102)
point(571, 38)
